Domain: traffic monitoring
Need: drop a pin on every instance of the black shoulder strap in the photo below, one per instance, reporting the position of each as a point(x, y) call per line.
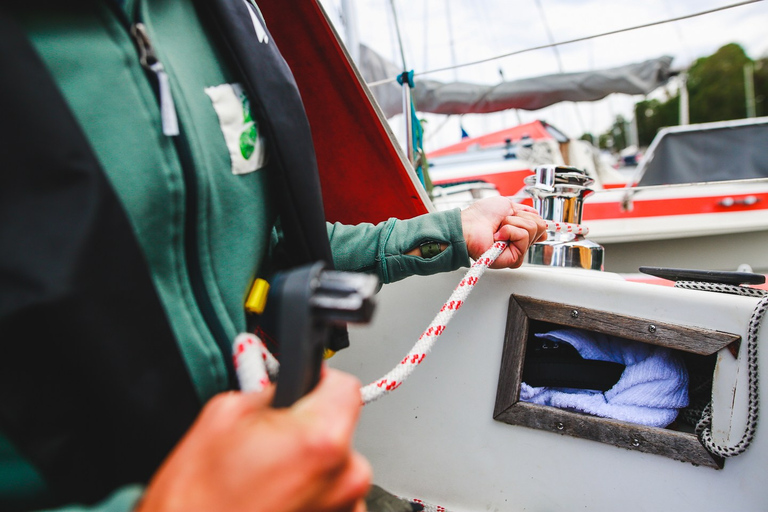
point(282, 117)
point(93, 389)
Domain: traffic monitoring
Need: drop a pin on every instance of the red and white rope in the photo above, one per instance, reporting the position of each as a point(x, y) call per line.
point(566, 227)
point(428, 507)
point(255, 364)
point(415, 357)
point(426, 341)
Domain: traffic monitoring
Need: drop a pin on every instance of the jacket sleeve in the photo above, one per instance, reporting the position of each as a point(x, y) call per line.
point(381, 248)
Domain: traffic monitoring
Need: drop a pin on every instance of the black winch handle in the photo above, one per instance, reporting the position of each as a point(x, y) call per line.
point(307, 302)
point(707, 276)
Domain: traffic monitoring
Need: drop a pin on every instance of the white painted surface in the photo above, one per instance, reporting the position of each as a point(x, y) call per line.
point(711, 252)
point(435, 436)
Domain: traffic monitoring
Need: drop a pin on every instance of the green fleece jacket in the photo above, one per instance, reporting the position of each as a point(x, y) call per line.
point(93, 60)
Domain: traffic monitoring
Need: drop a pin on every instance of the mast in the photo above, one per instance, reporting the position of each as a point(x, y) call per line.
point(684, 112)
point(407, 97)
point(749, 88)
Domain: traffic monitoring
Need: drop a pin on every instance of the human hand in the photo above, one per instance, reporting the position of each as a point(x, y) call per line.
point(243, 455)
point(499, 218)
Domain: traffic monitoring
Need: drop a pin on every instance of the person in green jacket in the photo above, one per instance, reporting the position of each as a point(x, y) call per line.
point(145, 283)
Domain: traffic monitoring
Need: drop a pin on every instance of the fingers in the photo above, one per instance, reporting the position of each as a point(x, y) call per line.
point(243, 454)
point(521, 231)
point(518, 207)
point(329, 414)
point(347, 490)
point(233, 406)
point(529, 213)
point(518, 234)
point(335, 400)
point(499, 218)
point(360, 506)
point(531, 223)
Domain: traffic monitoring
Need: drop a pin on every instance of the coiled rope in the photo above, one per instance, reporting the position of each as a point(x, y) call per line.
point(704, 426)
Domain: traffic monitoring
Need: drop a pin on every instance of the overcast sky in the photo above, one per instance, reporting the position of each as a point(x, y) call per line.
point(439, 33)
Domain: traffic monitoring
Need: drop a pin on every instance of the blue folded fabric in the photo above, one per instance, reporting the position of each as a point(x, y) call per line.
point(651, 390)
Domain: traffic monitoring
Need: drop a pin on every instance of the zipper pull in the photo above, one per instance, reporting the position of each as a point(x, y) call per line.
point(150, 62)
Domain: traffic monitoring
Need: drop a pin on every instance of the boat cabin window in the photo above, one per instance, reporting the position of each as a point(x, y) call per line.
point(630, 382)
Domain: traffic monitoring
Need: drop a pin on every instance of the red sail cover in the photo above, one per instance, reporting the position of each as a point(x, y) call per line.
point(363, 176)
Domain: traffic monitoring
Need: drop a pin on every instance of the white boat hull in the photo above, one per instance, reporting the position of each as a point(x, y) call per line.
point(711, 237)
point(707, 252)
point(435, 437)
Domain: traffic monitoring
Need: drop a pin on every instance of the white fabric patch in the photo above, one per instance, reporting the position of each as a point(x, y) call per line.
point(241, 133)
point(261, 32)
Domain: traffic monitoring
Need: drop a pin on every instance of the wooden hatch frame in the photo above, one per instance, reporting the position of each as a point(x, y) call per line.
point(510, 409)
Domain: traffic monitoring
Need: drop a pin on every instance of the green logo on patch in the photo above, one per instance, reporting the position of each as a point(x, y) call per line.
point(250, 134)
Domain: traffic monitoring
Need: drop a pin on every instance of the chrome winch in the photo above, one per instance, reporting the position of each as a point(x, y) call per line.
point(558, 195)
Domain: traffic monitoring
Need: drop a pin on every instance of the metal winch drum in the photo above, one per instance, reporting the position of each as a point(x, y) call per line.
point(558, 195)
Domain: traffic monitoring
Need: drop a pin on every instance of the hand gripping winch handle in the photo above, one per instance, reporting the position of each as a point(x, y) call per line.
point(308, 302)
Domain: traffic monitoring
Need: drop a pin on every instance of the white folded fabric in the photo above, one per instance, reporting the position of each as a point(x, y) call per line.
point(653, 386)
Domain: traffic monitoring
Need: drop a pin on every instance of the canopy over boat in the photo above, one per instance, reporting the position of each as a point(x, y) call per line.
point(728, 150)
point(529, 93)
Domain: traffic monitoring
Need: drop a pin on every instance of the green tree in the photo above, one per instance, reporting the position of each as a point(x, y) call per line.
point(716, 93)
point(652, 115)
point(616, 138)
point(716, 85)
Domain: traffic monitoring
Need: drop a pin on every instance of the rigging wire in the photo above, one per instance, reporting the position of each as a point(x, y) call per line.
point(432, 132)
point(556, 51)
point(451, 39)
point(679, 33)
point(576, 40)
point(550, 37)
point(399, 38)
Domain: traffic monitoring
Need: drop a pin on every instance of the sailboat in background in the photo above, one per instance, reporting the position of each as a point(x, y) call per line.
point(698, 199)
point(696, 225)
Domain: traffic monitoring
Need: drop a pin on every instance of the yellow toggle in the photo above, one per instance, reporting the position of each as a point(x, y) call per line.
point(257, 299)
point(328, 353)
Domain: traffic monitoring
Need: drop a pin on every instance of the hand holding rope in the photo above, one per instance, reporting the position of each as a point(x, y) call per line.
point(254, 363)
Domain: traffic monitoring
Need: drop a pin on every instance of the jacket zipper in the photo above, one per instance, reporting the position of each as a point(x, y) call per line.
point(149, 61)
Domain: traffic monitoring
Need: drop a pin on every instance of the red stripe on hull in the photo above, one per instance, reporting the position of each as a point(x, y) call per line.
point(671, 206)
point(507, 183)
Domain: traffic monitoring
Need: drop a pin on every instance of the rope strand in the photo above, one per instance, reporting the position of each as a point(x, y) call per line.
point(426, 341)
point(704, 426)
point(254, 363)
